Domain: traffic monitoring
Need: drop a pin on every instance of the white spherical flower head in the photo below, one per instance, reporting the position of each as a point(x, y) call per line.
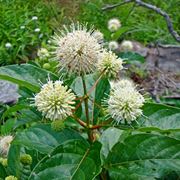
point(5, 144)
point(124, 83)
point(124, 104)
point(127, 46)
point(98, 35)
point(22, 27)
point(55, 101)
point(34, 18)
point(43, 53)
point(114, 24)
point(110, 64)
point(37, 30)
point(77, 50)
point(113, 45)
point(8, 45)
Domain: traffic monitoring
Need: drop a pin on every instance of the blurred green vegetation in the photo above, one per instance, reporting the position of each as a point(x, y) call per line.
point(139, 23)
point(23, 33)
point(18, 28)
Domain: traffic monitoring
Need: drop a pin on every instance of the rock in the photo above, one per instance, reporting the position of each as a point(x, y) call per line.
point(168, 58)
point(8, 92)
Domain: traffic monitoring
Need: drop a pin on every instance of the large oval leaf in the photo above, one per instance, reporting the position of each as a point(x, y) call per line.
point(43, 139)
point(144, 155)
point(70, 161)
point(108, 139)
point(26, 75)
point(40, 138)
point(161, 116)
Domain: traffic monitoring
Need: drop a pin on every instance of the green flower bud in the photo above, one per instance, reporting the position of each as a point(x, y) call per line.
point(11, 178)
point(26, 159)
point(57, 125)
point(4, 162)
point(46, 66)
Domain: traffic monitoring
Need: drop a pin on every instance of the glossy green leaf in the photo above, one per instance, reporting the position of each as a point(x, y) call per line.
point(160, 116)
point(2, 171)
point(26, 75)
point(131, 57)
point(119, 33)
point(27, 116)
point(171, 101)
point(7, 127)
point(102, 89)
point(13, 160)
point(108, 139)
point(73, 160)
point(144, 155)
point(43, 139)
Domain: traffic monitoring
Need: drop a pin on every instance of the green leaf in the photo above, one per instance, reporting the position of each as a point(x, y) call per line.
point(171, 101)
point(13, 160)
point(7, 127)
point(131, 57)
point(27, 116)
point(144, 155)
point(102, 89)
point(160, 116)
point(108, 139)
point(121, 31)
point(2, 171)
point(26, 75)
point(115, 174)
point(73, 160)
point(43, 139)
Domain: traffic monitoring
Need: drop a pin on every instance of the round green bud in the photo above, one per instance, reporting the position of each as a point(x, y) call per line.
point(57, 125)
point(97, 136)
point(90, 126)
point(4, 162)
point(11, 178)
point(26, 159)
point(46, 66)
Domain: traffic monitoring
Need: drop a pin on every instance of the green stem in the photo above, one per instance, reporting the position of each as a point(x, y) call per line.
point(86, 101)
point(86, 108)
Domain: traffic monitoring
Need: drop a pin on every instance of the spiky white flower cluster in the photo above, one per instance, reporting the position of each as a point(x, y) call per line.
point(125, 102)
point(109, 63)
point(5, 144)
point(122, 84)
point(127, 46)
point(77, 50)
point(55, 101)
point(113, 45)
point(43, 53)
point(114, 24)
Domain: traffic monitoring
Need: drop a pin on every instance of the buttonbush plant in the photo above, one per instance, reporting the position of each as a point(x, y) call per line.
point(85, 122)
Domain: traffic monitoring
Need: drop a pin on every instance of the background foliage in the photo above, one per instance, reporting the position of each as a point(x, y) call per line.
point(142, 25)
